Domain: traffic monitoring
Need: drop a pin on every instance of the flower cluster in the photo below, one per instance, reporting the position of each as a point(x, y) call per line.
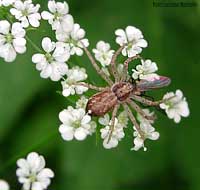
point(58, 16)
point(103, 53)
point(32, 173)
point(145, 71)
point(12, 40)
point(76, 122)
point(26, 12)
point(132, 40)
point(70, 41)
point(13, 31)
point(70, 85)
point(51, 63)
point(74, 40)
point(147, 129)
point(175, 105)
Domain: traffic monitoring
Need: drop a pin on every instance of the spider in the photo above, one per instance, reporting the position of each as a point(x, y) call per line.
point(121, 92)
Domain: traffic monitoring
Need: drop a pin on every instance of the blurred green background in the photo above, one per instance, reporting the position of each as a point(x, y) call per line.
point(29, 105)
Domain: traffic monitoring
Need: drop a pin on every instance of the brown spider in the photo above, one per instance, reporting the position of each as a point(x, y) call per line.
point(121, 92)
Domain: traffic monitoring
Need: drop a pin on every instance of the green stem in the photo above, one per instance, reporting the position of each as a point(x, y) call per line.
point(34, 45)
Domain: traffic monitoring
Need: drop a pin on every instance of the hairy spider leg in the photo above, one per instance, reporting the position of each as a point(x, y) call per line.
point(146, 101)
point(126, 63)
point(133, 120)
point(95, 65)
point(92, 87)
point(147, 96)
point(114, 62)
point(152, 99)
point(143, 106)
point(114, 114)
point(140, 111)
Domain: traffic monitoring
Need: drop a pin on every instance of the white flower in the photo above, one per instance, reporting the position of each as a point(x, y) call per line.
point(70, 86)
point(82, 102)
point(103, 54)
point(145, 71)
point(176, 106)
point(149, 133)
point(117, 134)
point(75, 39)
point(12, 40)
point(147, 129)
point(58, 16)
point(76, 124)
point(6, 3)
point(52, 62)
point(32, 172)
point(4, 185)
point(26, 12)
point(133, 39)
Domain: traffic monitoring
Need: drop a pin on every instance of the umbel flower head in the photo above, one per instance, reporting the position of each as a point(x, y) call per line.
point(70, 85)
point(58, 16)
point(132, 39)
point(32, 172)
point(147, 129)
point(52, 62)
point(26, 12)
point(12, 40)
point(103, 53)
point(176, 106)
point(76, 124)
point(145, 71)
point(73, 39)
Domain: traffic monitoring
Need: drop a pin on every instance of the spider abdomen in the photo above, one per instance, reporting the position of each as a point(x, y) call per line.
point(103, 102)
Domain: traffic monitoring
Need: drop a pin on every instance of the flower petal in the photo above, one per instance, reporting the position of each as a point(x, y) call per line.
point(4, 27)
point(48, 45)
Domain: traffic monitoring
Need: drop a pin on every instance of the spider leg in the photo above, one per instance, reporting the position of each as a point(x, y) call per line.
point(95, 65)
point(90, 86)
point(133, 120)
point(150, 103)
point(126, 63)
point(147, 96)
point(140, 111)
point(146, 101)
point(114, 113)
point(113, 63)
